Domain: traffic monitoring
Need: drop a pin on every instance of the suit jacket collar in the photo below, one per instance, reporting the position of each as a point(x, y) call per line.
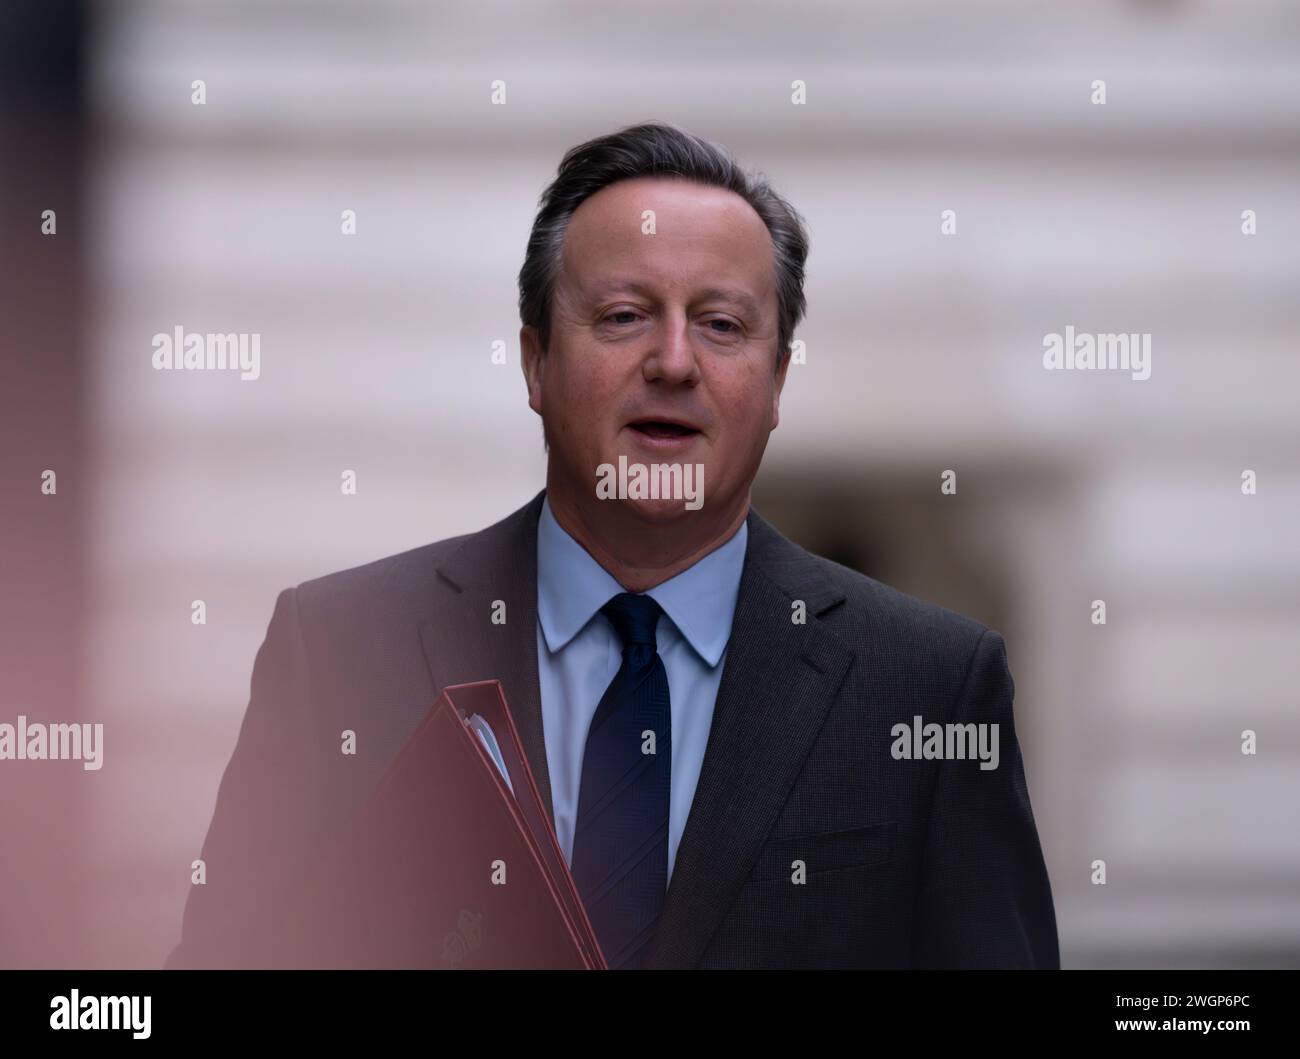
point(497, 566)
point(778, 681)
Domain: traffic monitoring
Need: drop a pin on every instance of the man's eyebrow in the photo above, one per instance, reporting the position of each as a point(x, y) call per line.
point(738, 297)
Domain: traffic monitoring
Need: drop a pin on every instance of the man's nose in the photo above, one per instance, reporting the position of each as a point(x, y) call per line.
point(673, 357)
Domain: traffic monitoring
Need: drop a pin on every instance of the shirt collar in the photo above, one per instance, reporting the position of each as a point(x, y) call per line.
point(572, 587)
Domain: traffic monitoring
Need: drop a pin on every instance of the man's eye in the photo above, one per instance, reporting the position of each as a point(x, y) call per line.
point(727, 323)
point(622, 312)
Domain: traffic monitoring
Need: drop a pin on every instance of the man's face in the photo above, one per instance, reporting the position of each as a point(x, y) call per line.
point(663, 346)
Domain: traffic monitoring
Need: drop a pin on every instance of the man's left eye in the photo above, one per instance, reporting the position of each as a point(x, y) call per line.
point(728, 323)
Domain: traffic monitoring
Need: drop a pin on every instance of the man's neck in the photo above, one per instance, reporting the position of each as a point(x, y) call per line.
point(638, 555)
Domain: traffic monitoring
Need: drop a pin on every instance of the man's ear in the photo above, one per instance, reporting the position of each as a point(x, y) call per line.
point(780, 385)
point(530, 359)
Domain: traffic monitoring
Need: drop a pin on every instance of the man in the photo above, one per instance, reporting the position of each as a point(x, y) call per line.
point(710, 711)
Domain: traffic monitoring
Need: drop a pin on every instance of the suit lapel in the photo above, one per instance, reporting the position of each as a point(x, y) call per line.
point(778, 682)
point(460, 642)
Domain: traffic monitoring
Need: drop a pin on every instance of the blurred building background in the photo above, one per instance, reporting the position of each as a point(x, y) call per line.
point(923, 355)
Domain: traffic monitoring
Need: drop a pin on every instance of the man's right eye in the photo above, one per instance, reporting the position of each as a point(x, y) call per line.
point(610, 318)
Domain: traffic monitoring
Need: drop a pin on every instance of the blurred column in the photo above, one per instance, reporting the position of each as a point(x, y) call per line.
point(42, 385)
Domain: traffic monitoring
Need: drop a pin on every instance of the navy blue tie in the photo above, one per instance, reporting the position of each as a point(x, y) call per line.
point(620, 842)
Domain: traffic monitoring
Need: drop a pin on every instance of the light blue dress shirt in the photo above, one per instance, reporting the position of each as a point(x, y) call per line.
point(578, 653)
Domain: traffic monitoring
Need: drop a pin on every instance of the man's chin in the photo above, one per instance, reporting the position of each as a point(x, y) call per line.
point(659, 512)
point(652, 491)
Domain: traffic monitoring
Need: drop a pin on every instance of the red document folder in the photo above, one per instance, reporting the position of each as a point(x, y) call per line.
point(411, 883)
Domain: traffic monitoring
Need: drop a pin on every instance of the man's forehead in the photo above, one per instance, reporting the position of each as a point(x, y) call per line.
point(683, 212)
point(666, 191)
point(608, 248)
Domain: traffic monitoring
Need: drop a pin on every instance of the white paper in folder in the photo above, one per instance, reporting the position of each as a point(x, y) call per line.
point(483, 730)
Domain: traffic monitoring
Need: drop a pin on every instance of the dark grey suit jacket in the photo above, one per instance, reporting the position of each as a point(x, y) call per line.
point(909, 863)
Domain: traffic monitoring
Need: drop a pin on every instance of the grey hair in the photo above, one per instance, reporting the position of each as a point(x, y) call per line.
point(657, 149)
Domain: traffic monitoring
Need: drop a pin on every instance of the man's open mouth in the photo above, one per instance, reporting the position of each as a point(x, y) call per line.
point(658, 428)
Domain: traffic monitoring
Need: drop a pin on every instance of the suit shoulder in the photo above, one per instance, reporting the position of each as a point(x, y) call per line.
point(873, 608)
point(403, 573)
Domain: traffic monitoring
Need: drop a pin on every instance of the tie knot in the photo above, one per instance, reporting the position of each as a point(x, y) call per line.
point(634, 618)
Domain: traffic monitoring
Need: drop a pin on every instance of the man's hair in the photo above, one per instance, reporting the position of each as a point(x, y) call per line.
point(657, 149)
